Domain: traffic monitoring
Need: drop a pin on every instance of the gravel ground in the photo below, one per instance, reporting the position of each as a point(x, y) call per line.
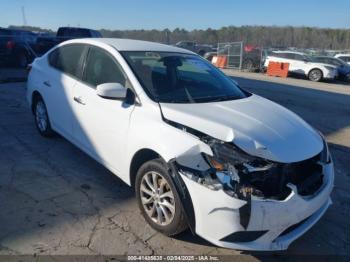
point(55, 200)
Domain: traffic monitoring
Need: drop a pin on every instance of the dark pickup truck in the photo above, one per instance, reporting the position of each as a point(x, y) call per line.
point(16, 47)
point(194, 47)
point(45, 43)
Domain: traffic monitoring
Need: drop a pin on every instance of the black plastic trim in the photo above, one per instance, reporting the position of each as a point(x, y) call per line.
point(185, 196)
point(243, 236)
point(244, 213)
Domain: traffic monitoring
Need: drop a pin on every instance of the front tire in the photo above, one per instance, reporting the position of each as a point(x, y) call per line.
point(41, 117)
point(158, 198)
point(315, 75)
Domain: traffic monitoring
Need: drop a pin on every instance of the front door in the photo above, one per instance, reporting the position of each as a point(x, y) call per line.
point(100, 125)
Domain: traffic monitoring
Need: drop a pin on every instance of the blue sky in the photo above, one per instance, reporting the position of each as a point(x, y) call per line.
point(160, 14)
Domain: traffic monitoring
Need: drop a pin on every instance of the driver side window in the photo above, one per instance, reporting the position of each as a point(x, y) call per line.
point(102, 68)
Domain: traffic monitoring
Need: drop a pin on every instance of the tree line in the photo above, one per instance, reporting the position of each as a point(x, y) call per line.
point(265, 36)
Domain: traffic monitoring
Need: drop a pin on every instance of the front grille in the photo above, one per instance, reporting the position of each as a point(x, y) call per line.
point(306, 175)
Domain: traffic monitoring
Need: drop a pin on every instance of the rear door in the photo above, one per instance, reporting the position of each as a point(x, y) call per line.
point(100, 124)
point(296, 64)
point(58, 84)
point(274, 57)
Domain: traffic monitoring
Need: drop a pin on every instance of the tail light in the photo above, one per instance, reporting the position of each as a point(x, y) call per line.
point(10, 44)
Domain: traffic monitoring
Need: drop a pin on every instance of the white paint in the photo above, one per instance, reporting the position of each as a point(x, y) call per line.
point(299, 66)
point(112, 133)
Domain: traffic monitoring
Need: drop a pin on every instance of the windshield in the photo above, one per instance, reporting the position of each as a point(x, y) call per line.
point(181, 78)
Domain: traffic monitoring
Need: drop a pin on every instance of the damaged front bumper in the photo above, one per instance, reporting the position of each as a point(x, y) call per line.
point(255, 223)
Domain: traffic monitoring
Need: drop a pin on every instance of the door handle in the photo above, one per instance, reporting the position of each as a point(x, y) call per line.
point(47, 83)
point(79, 100)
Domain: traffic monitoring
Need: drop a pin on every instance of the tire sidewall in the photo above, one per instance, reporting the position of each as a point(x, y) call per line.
point(248, 65)
point(48, 131)
point(160, 167)
point(316, 80)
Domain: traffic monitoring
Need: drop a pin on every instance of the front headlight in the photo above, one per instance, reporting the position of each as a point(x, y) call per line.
point(227, 156)
point(237, 171)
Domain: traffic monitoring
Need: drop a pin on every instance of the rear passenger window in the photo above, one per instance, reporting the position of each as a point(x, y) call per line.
point(102, 68)
point(290, 55)
point(67, 58)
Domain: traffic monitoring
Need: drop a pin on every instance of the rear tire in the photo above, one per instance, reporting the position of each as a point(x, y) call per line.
point(41, 117)
point(315, 75)
point(248, 65)
point(158, 198)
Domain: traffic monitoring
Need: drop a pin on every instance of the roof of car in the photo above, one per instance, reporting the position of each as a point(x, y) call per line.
point(132, 45)
point(324, 56)
point(290, 52)
point(337, 55)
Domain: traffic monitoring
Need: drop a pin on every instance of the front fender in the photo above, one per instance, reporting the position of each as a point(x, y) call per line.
point(147, 130)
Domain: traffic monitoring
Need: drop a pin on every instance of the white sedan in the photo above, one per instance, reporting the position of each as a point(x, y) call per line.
point(201, 152)
point(301, 64)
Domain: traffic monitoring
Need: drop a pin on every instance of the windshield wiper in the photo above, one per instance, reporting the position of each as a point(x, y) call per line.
point(215, 99)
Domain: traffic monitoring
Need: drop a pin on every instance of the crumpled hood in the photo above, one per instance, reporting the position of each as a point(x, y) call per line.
point(256, 125)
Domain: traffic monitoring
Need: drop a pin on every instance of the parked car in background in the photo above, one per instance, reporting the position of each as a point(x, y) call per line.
point(343, 67)
point(301, 64)
point(44, 43)
point(239, 170)
point(16, 47)
point(209, 55)
point(344, 57)
point(194, 47)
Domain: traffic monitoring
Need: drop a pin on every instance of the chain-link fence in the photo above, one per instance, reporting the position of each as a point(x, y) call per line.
point(233, 51)
point(242, 56)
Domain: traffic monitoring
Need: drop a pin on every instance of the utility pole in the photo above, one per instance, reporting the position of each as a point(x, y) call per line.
point(24, 16)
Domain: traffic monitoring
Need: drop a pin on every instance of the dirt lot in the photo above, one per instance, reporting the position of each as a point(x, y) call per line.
point(54, 199)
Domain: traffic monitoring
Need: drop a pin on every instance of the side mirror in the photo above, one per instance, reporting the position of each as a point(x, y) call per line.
point(111, 91)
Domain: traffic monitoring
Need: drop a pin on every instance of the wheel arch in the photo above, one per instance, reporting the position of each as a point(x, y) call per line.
point(35, 97)
point(139, 158)
point(313, 68)
point(144, 155)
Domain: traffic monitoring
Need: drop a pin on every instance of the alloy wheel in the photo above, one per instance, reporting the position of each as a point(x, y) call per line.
point(315, 75)
point(157, 198)
point(41, 116)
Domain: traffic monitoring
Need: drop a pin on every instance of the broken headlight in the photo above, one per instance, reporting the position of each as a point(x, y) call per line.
point(240, 173)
